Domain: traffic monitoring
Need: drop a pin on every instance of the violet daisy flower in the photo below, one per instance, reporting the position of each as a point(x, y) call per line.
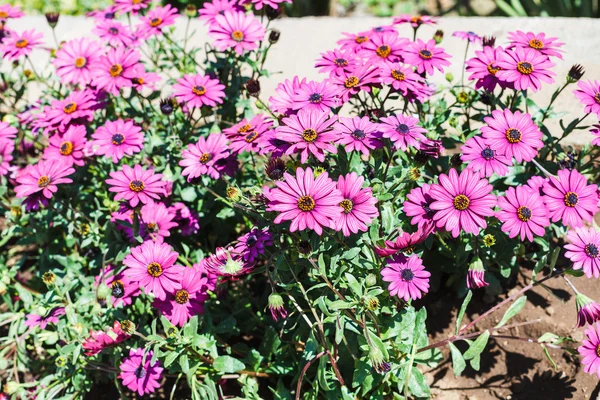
point(51, 317)
point(249, 135)
point(106, 13)
point(319, 96)
point(202, 272)
point(236, 30)
point(77, 108)
point(360, 78)
point(483, 158)
point(19, 45)
point(307, 202)
point(358, 134)
point(181, 305)
point(408, 277)
point(523, 213)
point(462, 202)
point(415, 20)
point(543, 45)
point(336, 61)
point(588, 311)
point(570, 199)
point(418, 206)
point(308, 132)
point(476, 275)
point(150, 265)
point(69, 147)
point(137, 375)
point(283, 101)
point(207, 157)
point(353, 43)
point(259, 4)
point(143, 79)
point(156, 220)
point(226, 263)
point(40, 181)
point(584, 250)
point(7, 131)
point(526, 68)
point(384, 47)
point(74, 60)
point(537, 183)
point(117, 138)
point(588, 93)
point(114, 32)
point(115, 70)
point(484, 68)
point(6, 149)
point(406, 242)
point(8, 11)
point(401, 77)
point(187, 220)
point(358, 205)
point(252, 244)
point(198, 90)
point(426, 56)
point(210, 9)
point(122, 289)
point(100, 340)
point(131, 6)
point(471, 37)
point(590, 350)
point(513, 134)
point(155, 20)
point(402, 130)
point(594, 131)
point(136, 185)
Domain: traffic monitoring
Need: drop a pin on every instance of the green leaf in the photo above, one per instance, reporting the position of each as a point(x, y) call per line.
point(184, 362)
point(228, 365)
point(539, 266)
point(547, 354)
point(513, 310)
point(477, 346)
point(554, 257)
point(458, 362)
point(24, 294)
point(418, 384)
point(353, 284)
point(170, 358)
point(462, 311)
point(189, 194)
point(340, 305)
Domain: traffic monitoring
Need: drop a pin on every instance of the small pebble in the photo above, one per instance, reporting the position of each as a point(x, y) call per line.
point(550, 310)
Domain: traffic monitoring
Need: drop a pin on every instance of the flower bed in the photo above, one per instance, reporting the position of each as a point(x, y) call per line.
point(170, 231)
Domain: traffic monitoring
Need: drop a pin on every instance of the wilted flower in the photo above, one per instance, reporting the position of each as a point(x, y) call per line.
point(277, 307)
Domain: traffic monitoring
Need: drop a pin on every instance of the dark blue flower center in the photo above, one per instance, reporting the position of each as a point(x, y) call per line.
point(407, 275)
point(117, 139)
point(591, 250)
point(403, 129)
point(487, 153)
point(117, 289)
point(140, 372)
point(315, 98)
point(251, 241)
point(358, 134)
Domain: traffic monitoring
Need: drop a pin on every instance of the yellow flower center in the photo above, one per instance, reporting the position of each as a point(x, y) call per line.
point(182, 296)
point(238, 36)
point(513, 135)
point(155, 269)
point(398, 75)
point(461, 202)
point(70, 108)
point(347, 205)
point(43, 181)
point(525, 67)
point(244, 129)
point(351, 81)
point(306, 203)
point(205, 157)
point(598, 350)
point(66, 148)
point(492, 69)
point(80, 62)
point(154, 22)
point(21, 43)
point(3, 14)
point(136, 186)
point(361, 39)
point(425, 54)
point(416, 20)
point(138, 81)
point(524, 213)
point(115, 70)
point(536, 44)
point(309, 135)
point(383, 51)
point(198, 90)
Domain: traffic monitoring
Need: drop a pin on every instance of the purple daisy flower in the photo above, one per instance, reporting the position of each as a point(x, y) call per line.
point(74, 60)
point(210, 9)
point(39, 182)
point(114, 33)
point(590, 350)
point(403, 131)
point(406, 242)
point(122, 289)
point(426, 56)
point(249, 135)
point(136, 185)
point(198, 90)
point(358, 205)
point(336, 61)
point(484, 159)
point(283, 100)
point(418, 206)
point(523, 213)
point(471, 37)
point(354, 43)
point(236, 30)
point(77, 108)
point(484, 68)
point(51, 317)
point(588, 93)
point(401, 77)
point(539, 42)
point(156, 221)
point(155, 20)
point(570, 199)
point(19, 45)
point(357, 134)
point(114, 139)
point(526, 68)
point(115, 70)
point(588, 311)
point(251, 245)
point(350, 83)
point(319, 96)
point(181, 305)
point(584, 250)
point(384, 47)
point(139, 376)
point(67, 148)
point(207, 157)
point(408, 277)
point(227, 263)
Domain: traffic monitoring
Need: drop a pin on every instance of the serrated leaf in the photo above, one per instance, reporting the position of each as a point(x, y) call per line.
point(463, 309)
point(458, 362)
point(513, 310)
point(228, 365)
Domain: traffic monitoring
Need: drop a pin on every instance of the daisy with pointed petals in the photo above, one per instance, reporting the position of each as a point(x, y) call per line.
point(227, 263)
point(354, 43)
point(151, 266)
point(259, 4)
point(415, 20)
point(471, 37)
point(525, 68)
point(43, 177)
point(77, 108)
point(19, 45)
point(384, 47)
point(588, 93)
point(251, 245)
point(484, 68)
point(74, 59)
point(484, 159)
point(307, 202)
point(538, 42)
point(131, 6)
point(122, 289)
point(114, 32)
point(319, 96)
point(399, 76)
point(6, 149)
point(236, 30)
point(358, 205)
point(155, 20)
point(8, 11)
point(408, 277)
point(143, 79)
point(210, 9)
point(7, 131)
point(523, 212)
point(249, 135)
point(69, 147)
point(207, 157)
point(34, 320)
point(594, 131)
point(181, 305)
point(426, 56)
point(513, 135)
point(584, 250)
point(117, 138)
point(198, 90)
point(336, 61)
point(103, 13)
point(570, 199)
point(136, 185)
point(156, 220)
point(115, 70)
point(418, 206)
point(350, 83)
point(462, 202)
point(590, 350)
point(403, 131)
point(100, 340)
point(357, 134)
point(406, 242)
point(308, 132)
point(283, 100)
point(139, 376)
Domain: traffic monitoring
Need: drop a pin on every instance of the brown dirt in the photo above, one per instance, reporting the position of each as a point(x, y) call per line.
point(513, 369)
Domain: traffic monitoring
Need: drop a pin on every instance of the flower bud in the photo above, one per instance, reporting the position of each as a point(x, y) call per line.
point(489, 240)
point(191, 11)
point(372, 303)
point(438, 36)
point(127, 326)
point(49, 278)
point(588, 311)
point(319, 171)
point(449, 77)
point(371, 280)
point(60, 362)
point(233, 194)
point(11, 387)
point(275, 169)
point(28, 73)
point(575, 73)
point(455, 161)
point(272, 12)
point(476, 275)
point(103, 292)
point(304, 247)
point(168, 105)
point(377, 361)
point(488, 41)
point(253, 87)
point(462, 97)
point(414, 174)
point(274, 36)
point(52, 18)
point(276, 307)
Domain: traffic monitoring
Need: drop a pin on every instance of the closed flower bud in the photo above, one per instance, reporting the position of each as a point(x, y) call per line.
point(488, 41)
point(588, 311)
point(127, 326)
point(274, 36)
point(377, 361)
point(438, 36)
point(171, 332)
point(11, 387)
point(52, 18)
point(191, 10)
point(276, 307)
point(449, 77)
point(275, 169)
point(575, 73)
point(48, 278)
point(233, 194)
point(414, 174)
point(103, 292)
point(462, 97)
point(28, 73)
point(16, 211)
point(253, 87)
point(60, 361)
point(168, 105)
point(456, 161)
point(272, 12)
point(319, 171)
point(489, 240)
point(372, 303)
point(476, 275)
point(371, 280)
point(453, 122)
point(567, 160)
point(304, 247)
